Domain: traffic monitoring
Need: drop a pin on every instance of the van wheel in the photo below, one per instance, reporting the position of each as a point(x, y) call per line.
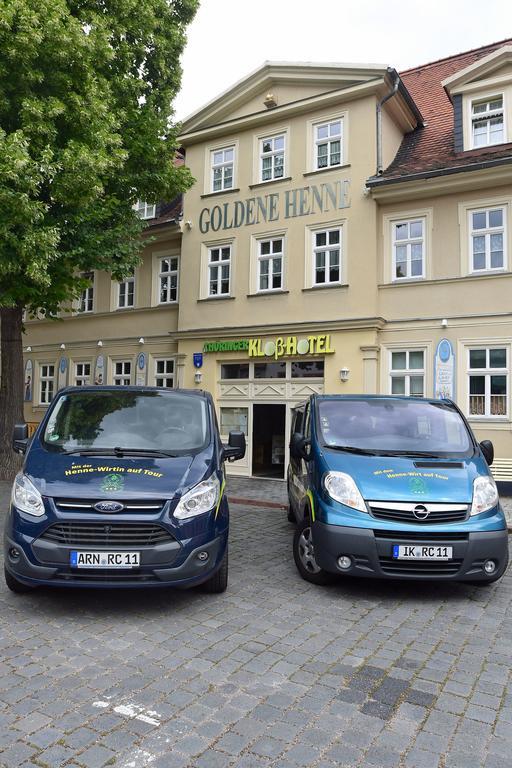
point(219, 581)
point(16, 586)
point(304, 556)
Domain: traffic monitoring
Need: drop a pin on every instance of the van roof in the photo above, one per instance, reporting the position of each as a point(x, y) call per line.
point(382, 397)
point(132, 388)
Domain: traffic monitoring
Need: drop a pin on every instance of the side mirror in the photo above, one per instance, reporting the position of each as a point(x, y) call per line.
point(235, 449)
point(487, 449)
point(20, 438)
point(299, 446)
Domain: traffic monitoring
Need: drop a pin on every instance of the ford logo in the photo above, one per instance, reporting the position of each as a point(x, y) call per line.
point(420, 512)
point(109, 506)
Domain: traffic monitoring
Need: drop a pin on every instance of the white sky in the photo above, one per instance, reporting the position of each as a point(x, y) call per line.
point(230, 38)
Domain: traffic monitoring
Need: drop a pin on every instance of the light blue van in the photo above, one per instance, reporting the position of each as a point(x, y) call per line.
point(393, 487)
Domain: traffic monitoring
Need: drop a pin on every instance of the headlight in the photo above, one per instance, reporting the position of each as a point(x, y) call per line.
point(201, 498)
point(342, 488)
point(485, 494)
point(26, 497)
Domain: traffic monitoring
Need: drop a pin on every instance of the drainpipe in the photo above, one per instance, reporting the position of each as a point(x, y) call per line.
point(379, 121)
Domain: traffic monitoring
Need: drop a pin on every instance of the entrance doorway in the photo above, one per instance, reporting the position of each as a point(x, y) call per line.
point(268, 440)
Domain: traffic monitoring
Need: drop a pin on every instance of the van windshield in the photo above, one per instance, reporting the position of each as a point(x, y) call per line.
point(144, 421)
point(394, 427)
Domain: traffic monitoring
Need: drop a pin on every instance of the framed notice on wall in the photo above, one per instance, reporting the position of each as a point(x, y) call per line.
point(444, 371)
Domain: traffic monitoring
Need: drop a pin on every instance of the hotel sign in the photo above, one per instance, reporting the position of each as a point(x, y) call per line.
point(289, 346)
point(303, 201)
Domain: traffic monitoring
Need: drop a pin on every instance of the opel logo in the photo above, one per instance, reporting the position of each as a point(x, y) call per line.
point(108, 506)
point(420, 512)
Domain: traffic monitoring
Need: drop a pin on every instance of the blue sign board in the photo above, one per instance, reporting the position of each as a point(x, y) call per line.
point(198, 359)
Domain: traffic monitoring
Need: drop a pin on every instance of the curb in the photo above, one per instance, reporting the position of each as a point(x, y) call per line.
point(257, 502)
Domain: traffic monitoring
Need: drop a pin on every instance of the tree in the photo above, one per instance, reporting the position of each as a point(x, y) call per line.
point(86, 92)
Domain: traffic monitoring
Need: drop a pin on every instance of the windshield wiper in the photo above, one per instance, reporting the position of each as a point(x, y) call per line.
point(120, 452)
point(353, 449)
point(414, 454)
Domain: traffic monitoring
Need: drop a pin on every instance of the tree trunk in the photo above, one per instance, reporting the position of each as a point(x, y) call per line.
point(11, 386)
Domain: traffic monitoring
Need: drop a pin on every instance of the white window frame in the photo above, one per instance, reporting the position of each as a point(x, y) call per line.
point(144, 209)
point(407, 372)
point(126, 285)
point(81, 377)
point(169, 274)
point(86, 300)
point(47, 391)
point(218, 264)
point(408, 243)
point(273, 153)
point(488, 116)
point(165, 375)
point(124, 376)
point(328, 140)
point(223, 165)
point(487, 372)
point(317, 249)
point(270, 257)
point(486, 233)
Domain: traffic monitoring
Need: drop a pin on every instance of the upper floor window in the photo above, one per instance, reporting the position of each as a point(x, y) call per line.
point(86, 303)
point(488, 381)
point(46, 383)
point(487, 239)
point(408, 249)
point(164, 372)
point(408, 372)
point(328, 144)
point(272, 158)
point(219, 270)
point(122, 373)
point(82, 374)
point(223, 162)
point(487, 125)
point(145, 210)
point(168, 274)
point(327, 256)
point(270, 264)
point(126, 292)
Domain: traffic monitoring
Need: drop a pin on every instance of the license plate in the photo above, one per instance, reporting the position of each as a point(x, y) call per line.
point(421, 552)
point(81, 559)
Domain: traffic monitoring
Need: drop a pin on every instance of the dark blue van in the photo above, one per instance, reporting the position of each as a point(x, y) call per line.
point(121, 487)
point(393, 487)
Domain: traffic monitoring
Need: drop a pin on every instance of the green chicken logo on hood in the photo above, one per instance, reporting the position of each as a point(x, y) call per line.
point(111, 483)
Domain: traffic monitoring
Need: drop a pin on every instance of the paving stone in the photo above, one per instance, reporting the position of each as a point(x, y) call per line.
point(96, 757)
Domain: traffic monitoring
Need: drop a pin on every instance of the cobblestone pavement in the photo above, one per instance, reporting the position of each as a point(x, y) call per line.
point(275, 672)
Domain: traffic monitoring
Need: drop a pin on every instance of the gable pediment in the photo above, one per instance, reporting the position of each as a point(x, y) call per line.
point(491, 69)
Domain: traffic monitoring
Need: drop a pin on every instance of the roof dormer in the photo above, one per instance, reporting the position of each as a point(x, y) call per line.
point(481, 95)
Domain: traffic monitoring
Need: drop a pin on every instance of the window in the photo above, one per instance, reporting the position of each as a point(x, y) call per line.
point(272, 158)
point(222, 168)
point(328, 144)
point(327, 256)
point(219, 268)
point(126, 292)
point(46, 383)
point(233, 420)
point(234, 371)
point(270, 264)
point(87, 296)
point(308, 369)
point(145, 210)
point(168, 273)
point(408, 372)
point(82, 374)
point(488, 384)
point(270, 370)
point(487, 122)
point(122, 372)
point(487, 239)
point(164, 373)
point(408, 249)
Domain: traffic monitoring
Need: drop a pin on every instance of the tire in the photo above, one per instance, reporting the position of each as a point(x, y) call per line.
point(16, 586)
point(304, 556)
point(219, 581)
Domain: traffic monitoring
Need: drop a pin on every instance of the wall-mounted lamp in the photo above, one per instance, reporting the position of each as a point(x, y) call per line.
point(29, 349)
point(198, 377)
point(444, 322)
point(100, 343)
point(344, 374)
point(141, 340)
point(63, 346)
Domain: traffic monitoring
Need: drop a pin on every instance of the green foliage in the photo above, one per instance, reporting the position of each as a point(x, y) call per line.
point(86, 91)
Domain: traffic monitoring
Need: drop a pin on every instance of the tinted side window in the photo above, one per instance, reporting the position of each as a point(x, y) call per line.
point(297, 421)
point(307, 422)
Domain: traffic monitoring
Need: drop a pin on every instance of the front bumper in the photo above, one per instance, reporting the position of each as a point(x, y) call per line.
point(371, 553)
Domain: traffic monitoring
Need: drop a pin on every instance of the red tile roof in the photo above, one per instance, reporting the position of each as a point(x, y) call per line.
point(431, 147)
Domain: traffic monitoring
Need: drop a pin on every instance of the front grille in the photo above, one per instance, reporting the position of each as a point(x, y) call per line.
point(423, 536)
point(76, 534)
point(393, 567)
point(403, 512)
point(144, 506)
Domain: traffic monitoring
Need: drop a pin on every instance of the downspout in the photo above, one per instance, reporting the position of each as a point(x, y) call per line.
point(379, 122)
